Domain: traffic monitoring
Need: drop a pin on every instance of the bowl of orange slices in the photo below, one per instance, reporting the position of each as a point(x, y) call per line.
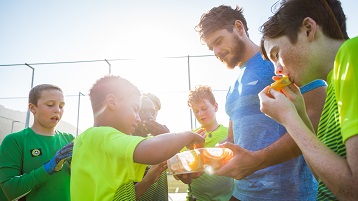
point(198, 160)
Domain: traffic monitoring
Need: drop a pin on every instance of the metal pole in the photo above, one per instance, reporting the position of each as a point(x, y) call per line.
point(109, 72)
point(78, 111)
point(32, 85)
point(12, 125)
point(189, 82)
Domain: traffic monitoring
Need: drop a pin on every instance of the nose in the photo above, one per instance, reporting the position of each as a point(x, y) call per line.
point(57, 109)
point(278, 69)
point(216, 51)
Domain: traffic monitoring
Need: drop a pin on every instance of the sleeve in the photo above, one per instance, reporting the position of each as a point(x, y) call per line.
point(15, 184)
point(346, 85)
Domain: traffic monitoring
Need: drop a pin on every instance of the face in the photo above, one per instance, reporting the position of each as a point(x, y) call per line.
point(204, 112)
point(228, 47)
point(49, 109)
point(293, 60)
point(127, 114)
point(147, 110)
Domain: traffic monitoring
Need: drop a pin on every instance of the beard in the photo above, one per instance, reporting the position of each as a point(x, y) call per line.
point(237, 51)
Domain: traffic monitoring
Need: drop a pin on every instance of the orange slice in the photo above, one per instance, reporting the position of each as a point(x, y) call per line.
point(196, 164)
point(279, 84)
point(216, 157)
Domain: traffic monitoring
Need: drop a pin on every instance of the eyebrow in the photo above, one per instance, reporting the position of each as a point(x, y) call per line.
point(214, 42)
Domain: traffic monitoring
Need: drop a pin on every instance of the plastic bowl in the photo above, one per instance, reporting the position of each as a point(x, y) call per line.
point(197, 160)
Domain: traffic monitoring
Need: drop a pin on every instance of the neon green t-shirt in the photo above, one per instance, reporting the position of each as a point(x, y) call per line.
point(213, 187)
point(339, 119)
point(102, 165)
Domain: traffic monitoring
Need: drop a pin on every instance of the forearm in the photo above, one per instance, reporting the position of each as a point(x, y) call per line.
point(336, 172)
point(284, 149)
point(141, 187)
point(20, 185)
point(169, 144)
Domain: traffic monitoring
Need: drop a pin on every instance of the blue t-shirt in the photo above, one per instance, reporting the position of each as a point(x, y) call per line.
point(254, 131)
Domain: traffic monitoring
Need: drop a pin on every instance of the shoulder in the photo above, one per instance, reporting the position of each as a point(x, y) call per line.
point(18, 135)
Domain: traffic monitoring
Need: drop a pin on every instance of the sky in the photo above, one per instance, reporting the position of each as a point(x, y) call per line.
point(146, 42)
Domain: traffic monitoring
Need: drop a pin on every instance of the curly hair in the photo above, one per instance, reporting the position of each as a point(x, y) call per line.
point(200, 93)
point(111, 84)
point(221, 17)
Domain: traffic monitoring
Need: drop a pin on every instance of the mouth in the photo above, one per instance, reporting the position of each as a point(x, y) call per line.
point(55, 118)
point(222, 56)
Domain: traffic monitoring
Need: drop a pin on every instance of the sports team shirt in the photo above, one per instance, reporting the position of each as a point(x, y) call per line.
point(339, 119)
point(213, 187)
point(22, 157)
point(103, 167)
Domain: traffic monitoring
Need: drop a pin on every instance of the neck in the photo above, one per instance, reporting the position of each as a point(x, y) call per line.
point(42, 130)
point(251, 49)
point(212, 127)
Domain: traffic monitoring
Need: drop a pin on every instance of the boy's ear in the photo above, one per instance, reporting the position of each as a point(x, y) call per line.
point(32, 108)
point(310, 28)
point(216, 107)
point(111, 101)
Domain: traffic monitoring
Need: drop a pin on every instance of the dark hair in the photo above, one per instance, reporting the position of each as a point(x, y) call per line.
point(200, 93)
point(222, 17)
point(35, 92)
point(328, 14)
point(155, 100)
point(111, 84)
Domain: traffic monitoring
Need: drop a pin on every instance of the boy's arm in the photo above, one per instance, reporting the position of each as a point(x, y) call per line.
point(149, 178)
point(162, 147)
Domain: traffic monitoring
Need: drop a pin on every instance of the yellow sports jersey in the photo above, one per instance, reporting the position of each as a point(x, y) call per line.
point(102, 165)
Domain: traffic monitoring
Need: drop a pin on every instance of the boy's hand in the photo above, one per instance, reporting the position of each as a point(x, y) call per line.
point(154, 172)
point(197, 142)
point(188, 178)
point(155, 128)
point(56, 163)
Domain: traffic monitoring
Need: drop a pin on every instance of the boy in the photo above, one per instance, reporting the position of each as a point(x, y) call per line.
point(107, 160)
point(26, 171)
point(307, 39)
point(148, 125)
point(202, 102)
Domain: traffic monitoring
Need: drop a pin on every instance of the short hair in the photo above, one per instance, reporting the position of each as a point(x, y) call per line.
point(35, 92)
point(155, 100)
point(199, 94)
point(111, 84)
point(221, 17)
point(287, 20)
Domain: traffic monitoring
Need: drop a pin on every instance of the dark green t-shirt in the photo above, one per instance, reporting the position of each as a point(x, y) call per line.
point(22, 156)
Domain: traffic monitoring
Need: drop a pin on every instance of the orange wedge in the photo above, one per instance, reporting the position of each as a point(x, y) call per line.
point(196, 164)
point(279, 84)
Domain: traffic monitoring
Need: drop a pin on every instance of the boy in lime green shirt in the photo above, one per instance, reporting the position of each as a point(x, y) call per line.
point(202, 102)
point(107, 159)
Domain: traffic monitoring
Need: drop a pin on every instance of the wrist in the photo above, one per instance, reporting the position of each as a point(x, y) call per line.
point(50, 166)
